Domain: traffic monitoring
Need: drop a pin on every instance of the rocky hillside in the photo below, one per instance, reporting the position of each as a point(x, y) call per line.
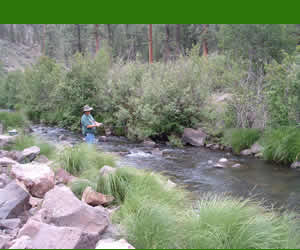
point(15, 56)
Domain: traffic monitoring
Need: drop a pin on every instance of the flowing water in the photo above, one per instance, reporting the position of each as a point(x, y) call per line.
point(193, 168)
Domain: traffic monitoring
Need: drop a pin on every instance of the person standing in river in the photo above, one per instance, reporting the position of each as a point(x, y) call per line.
point(88, 125)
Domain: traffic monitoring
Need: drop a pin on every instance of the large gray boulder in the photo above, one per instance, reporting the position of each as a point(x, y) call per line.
point(6, 139)
point(195, 137)
point(13, 201)
point(29, 154)
point(38, 178)
point(62, 208)
point(45, 236)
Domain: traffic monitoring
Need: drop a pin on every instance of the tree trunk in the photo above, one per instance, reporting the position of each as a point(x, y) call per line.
point(78, 38)
point(150, 44)
point(110, 36)
point(204, 42)
point(167, 46)
point(97, 37)
point(178, 47)
point(44, 40)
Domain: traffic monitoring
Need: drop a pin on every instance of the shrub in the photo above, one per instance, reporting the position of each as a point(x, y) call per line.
point(175, 141)
point(240, 138)
point(281, 144)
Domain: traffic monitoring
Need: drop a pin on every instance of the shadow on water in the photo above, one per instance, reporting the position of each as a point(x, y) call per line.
point(190, 167)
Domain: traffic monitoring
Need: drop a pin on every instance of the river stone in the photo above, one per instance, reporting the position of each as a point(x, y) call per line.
point(246, 152)
point(38, 178)
point(256, 148)
point(215, 146)
point(62, 208)
point(236, 165)
point(13, 200)
point(4, 180)
point(94, 198)
point(106, 170)
point(29, 154)
point(222, 160)
point(47, 236)
point(218, 165)
point(296, 164)
point(113, 244)
point(194, 137)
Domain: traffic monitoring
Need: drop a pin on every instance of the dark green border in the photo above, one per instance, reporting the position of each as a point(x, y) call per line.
point(150, 11)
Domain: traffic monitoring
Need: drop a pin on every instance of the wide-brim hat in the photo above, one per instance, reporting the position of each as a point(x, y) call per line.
point(87, 108)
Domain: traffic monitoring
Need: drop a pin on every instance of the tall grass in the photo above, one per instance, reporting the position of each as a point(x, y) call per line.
point(154, 216)
point(240, 138)
point(281, 144)
point(13, 120)
point(85, 161)
point(25, 141)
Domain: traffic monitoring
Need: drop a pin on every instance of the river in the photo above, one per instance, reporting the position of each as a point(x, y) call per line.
point(190, 167)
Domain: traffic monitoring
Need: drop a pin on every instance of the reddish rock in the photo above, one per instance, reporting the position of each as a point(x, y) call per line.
point(94, 198)
point(38, 178)
point(62, 176)
point(194, 137)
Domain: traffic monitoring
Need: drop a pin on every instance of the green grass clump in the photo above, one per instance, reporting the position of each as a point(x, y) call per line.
point(85, 161)
point(13, 120)
point(229, 223)
point(281, 144)
point(25, 141)
point(240, 138)
point(175, 141)
point(157, 217)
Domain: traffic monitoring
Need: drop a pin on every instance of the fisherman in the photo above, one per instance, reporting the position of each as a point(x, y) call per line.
point(89, 124)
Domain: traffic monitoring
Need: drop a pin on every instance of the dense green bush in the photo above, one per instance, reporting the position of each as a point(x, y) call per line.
point(240, 138)
point(281, 144)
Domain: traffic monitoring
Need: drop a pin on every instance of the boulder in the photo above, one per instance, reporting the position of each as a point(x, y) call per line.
point(35, 202)
point(296, 164)
point(41, 159)
point(13, 200)
point(218, 165)
point(6, 139)
point(246, 152)
point(94, 198)
point(194, 137)
point(256, 148)
point(4, 180)
point(10, 224)
point(24, 242)
point(29, 154)
point(15, 155)
point(62, 208)
point(38, 178)
point(106, 170)
point(236, 165)
point(47, 236)
point(62, 176)
point(6, 162)
point(4, 240)
point(113, 244)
